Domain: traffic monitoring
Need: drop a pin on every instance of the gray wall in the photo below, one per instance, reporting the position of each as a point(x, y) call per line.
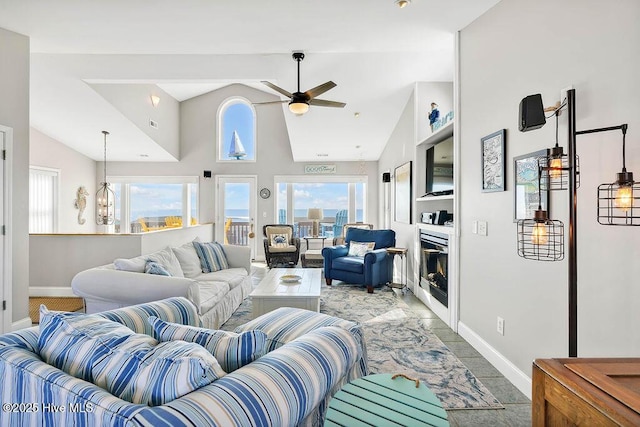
point(14, 113)
point(198, 153)
point(520, 48)
point(75, 170)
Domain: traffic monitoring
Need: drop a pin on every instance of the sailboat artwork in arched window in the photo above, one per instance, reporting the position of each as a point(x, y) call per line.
point(236, 149)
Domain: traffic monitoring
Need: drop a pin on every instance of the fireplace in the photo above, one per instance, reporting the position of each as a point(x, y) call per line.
point(434, 253)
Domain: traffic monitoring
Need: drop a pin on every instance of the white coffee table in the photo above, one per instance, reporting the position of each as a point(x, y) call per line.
point(272, 293)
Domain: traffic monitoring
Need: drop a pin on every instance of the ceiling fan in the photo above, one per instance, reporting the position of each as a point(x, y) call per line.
point(299, 102)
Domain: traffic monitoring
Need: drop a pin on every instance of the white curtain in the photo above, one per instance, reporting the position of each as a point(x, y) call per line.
point(43, 200)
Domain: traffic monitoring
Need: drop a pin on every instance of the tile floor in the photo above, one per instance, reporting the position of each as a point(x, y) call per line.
point(517, 410)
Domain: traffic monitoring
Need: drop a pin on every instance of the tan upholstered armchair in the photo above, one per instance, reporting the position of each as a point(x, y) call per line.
point(280, 245)
point(340, 239)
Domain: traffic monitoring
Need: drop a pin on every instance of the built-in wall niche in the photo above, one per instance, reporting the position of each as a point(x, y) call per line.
point(439, 168)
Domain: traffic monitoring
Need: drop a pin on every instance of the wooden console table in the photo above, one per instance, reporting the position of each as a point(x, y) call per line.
point(586, 392)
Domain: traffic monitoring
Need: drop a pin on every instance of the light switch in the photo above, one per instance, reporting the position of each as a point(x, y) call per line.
point(264, 214)
point(474, 227)
point(482, 228)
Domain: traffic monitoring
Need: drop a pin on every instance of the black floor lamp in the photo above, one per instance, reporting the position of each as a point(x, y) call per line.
point(618, 202)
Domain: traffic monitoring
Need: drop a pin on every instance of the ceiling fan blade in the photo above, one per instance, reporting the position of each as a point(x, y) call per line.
point(325, 103)
point(319, 90)
point(277, 89)
point(270, 102)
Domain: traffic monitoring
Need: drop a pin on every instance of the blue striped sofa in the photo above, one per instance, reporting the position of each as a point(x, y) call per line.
point(310, 356)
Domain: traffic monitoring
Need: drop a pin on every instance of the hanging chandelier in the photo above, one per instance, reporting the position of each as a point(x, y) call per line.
point(105, 197)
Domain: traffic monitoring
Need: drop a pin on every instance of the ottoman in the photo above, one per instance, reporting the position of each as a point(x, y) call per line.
point(312, 258)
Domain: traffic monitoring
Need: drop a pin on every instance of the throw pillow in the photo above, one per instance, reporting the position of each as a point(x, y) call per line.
point(230, 349)
point(130, 366)
point(153, 267)
point(155, 375)
point(279, 240)
point(134, 265)
point(360, 248)
point(168, 260)
point(73, 341)
point(188, 259)
point(212, 256)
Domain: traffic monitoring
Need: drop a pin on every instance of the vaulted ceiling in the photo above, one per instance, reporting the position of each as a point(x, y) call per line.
point(372, 49)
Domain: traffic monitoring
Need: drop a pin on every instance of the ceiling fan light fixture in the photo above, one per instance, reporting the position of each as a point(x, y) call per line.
point(298, 107)
point(402, 3)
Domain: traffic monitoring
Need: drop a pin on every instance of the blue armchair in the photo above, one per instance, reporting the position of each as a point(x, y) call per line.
point(375, 268)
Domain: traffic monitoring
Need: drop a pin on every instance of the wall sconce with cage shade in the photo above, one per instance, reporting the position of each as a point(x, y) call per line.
point(541, 238)
point(105, 197)
point(618, 204)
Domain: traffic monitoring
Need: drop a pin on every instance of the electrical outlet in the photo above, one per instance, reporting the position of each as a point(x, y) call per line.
point(482, 228)
point(474, 227)
point(500, 326)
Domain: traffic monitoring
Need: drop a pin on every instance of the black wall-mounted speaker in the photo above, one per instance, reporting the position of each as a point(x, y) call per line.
point(207, 174)
point(531, 113)
point(386, 177)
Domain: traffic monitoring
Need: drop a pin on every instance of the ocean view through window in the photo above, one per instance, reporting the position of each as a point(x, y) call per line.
point(342, 200)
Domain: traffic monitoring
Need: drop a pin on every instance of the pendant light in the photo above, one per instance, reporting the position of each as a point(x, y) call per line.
point(105, 197)
point(541, 238)
point(555, 170)
point(619, 202)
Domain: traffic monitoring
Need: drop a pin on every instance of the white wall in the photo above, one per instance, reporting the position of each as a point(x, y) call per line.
point(519, 48)
point(134, 101)
point(75, 170)
point(57, 258)
point(412, 127)
point(198, 153)
point(14, 113)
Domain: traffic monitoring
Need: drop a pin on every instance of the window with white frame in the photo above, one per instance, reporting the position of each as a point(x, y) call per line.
point(153, 203)
point(43, 199)
point(236, 130)
point(343, 199)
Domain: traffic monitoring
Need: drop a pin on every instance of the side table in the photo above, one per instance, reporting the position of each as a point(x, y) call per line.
point(381, 400)
point(402, 253)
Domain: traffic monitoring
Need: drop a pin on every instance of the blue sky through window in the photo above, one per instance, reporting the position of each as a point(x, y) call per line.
point(238, 116)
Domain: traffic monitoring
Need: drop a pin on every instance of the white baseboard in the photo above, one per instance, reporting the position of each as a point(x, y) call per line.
point(501, 363)
point(21, 324)
point(50, 291)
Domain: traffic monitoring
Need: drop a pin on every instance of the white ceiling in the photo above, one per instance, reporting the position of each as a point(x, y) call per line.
point(372, 49)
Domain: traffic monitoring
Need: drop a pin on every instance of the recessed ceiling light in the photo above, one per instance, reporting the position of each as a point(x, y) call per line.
point(356, 114)
point(358, 146)
point(402, 3)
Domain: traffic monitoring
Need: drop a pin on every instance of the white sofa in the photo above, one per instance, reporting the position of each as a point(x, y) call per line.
point(123, 283)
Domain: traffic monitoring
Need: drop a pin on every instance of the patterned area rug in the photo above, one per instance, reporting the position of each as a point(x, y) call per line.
point(398, 342)
point(53, 303)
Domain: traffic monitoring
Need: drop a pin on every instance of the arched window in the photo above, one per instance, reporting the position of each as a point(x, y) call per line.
point(236, 130)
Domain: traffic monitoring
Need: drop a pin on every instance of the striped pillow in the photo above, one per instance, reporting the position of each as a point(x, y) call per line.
point(231, 350)
point(73, 342)
point(155, 375)
point(212, 257)
point(130, 366)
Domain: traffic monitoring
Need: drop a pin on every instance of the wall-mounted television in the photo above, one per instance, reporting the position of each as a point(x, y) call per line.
point(439, 168)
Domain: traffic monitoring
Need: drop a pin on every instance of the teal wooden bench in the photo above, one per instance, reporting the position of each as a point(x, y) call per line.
point(379, 400)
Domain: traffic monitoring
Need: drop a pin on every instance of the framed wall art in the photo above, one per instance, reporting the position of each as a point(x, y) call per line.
point(402, 175)
point(494, 165)
point(525, 185)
